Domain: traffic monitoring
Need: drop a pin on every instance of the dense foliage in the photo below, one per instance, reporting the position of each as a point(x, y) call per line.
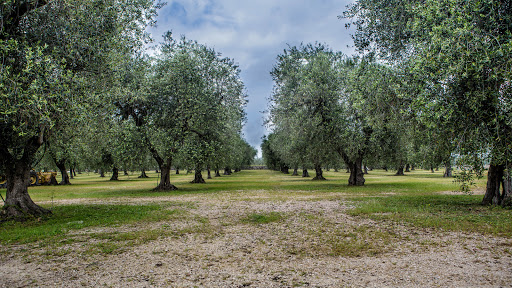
point(458, 53)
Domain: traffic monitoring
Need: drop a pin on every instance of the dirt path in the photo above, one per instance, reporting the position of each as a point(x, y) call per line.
point(313, 243)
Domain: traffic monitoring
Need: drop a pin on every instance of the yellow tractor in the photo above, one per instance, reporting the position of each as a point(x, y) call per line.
point(36, 178)
point(42, 178)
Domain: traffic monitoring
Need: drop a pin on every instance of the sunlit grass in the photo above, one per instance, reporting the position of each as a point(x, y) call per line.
point(421, 199)
point(377, 183)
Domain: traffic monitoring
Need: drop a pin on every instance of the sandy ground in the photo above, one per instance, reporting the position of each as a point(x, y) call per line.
point(314, 244)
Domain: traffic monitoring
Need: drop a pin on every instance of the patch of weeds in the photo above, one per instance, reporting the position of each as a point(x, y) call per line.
point(56, 252)
point(322, 237)
point(106, 248)
point(361, 241)
point(262, 218)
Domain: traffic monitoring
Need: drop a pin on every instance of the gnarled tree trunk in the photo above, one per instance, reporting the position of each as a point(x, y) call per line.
point(198, 176)
point(305, 172)
point(209, 173)
point(295, 171)
point(217, 173)
point(400, 170)
point(143, 174)
point(165, 178)
point(319, 173)
point(18, 204)
point(356, 177)
point(499, 186)
point(62, 168)
point(284, 170)
point(115, 174)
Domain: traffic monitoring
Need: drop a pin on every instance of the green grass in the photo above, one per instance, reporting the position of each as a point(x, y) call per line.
point(90, 186)
point(419, 199)
point(262, 218)
point(66, 218)
point(461, 213)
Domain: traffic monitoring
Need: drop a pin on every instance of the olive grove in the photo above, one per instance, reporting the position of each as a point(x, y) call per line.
point(460, 53)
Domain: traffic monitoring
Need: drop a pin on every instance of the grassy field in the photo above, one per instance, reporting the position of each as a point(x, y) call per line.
point(421, 199)
point(260, 229)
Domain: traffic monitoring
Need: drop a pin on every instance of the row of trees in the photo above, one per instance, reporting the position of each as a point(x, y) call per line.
point(433, 81)
point(328, 109)
point(77, 88)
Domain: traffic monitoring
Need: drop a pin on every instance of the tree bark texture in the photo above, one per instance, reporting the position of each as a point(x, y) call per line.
point(18, 204)
point(62, 168)
point(217, 173)
point(319, 173)
point(295, 172)
point(305, 172)
point(165, 179)
point(499, 186)
point(209, 173)
point(356, 177)
point(284, 170)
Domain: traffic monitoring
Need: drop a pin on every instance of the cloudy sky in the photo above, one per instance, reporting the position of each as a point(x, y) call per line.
point(253, 33)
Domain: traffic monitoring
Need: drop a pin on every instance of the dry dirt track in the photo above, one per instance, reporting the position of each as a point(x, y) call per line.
point(214, 247)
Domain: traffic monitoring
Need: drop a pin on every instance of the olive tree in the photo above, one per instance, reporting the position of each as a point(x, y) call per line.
point(52, 52)
point(185, 101)
point(305, 102)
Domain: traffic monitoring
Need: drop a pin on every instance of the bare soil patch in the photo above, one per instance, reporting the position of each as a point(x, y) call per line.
point(315, 243)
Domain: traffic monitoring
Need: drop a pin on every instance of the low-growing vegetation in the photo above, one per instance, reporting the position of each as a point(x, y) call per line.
point(253, 216)
point(422, 199)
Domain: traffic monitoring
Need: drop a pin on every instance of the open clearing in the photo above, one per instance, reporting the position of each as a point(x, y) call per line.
point(261, 229)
